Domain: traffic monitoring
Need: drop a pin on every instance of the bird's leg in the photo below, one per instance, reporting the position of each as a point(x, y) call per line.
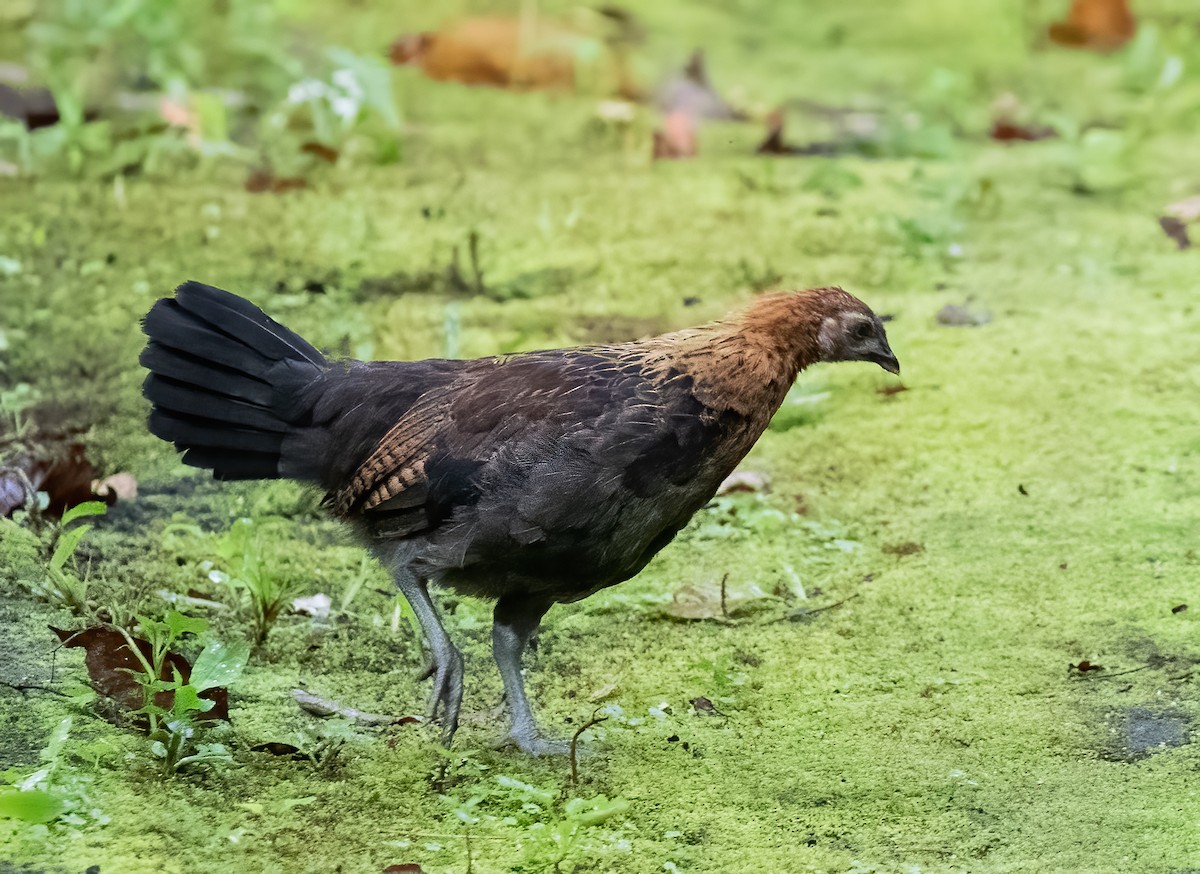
point(516, 620)
point(446, 665)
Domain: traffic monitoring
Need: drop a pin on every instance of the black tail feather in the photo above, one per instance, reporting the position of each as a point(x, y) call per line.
point(227, 382)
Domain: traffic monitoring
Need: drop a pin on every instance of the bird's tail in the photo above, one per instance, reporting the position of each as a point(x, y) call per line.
point(228, 383)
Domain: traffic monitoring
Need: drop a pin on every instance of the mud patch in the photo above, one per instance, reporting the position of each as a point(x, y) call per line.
point(1140, 732)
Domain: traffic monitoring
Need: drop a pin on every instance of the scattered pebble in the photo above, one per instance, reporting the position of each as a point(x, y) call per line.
point(744, 481)
point(317, 606)
point(962, 316)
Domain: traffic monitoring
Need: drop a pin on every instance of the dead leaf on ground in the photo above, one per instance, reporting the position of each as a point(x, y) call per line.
point(1084, 666)
point(703, 705)
point(744, 481)
point(320, 150)
point(1100, 25)
point(1009, 124)
point(691, 92)
point(111, 666)
point(405, 868)
point(1176, 230)
point(889, 390)
point(774, 143)
point(697, 602)
point(676, 138)
point(510, 52)
point(604, 692)
point(907, 548)
point(34, 107)
point(54, 462)
point(1011, 131)
point(279, 748)
point(1176, 218)
point(262, 180)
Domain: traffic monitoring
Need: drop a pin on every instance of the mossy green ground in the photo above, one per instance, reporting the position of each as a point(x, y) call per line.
point(1031, 501)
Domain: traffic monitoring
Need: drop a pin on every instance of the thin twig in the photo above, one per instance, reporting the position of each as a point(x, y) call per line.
point(834, 604)
point(323, 707)
point(30, 687)
point(1123, 673)
point(473, 250)
point(724, 611)
point(595, 720)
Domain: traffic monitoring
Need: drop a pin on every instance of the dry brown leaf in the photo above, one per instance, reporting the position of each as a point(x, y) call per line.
point(503, 52)
point(321, 151)
point(1176, 229)
point(774, 143)
point(63, 472)
point(111, 666)
point(1175, 220)
point(279, 748)
point(1011, 131)
point(1100, 25)
point(676, 138)
point(260, 181)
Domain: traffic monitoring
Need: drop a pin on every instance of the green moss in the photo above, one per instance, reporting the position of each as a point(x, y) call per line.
point(1046, 463)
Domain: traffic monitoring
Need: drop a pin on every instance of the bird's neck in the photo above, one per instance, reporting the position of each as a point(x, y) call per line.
point(747, 363)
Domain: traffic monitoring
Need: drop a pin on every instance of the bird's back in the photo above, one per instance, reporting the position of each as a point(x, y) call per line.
point(564, 470)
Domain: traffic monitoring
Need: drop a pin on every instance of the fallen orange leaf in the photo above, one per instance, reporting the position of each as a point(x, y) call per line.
point(1101, 25)
point(498, 51)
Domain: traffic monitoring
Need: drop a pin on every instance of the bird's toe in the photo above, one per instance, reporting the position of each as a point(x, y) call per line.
point(534, 744)
point(445, 698)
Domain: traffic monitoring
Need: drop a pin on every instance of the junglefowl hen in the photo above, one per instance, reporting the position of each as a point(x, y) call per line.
point(530, 479)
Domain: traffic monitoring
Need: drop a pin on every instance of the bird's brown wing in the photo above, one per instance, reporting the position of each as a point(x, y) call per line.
point(397, 464)
point(429, 460)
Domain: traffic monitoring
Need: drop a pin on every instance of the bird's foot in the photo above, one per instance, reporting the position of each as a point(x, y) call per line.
point(445, 698)
point(532, 742)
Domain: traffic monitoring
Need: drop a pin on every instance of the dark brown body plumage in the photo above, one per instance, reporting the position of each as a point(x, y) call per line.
point(534, 478)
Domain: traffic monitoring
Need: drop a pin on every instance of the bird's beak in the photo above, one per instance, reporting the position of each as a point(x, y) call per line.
point(884, 357)
point(889, 363)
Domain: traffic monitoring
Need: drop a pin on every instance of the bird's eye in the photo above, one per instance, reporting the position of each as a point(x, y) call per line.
point(864, 331)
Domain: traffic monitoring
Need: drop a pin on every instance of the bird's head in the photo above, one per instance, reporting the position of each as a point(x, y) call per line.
point(820, 324)
point(850, 331)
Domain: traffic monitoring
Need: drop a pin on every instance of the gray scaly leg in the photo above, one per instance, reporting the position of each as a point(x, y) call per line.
point(516, 619)
point(446, 666)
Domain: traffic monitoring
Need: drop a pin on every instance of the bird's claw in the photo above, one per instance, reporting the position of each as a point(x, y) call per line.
point(532, 743)
point(445, 698)
point(426, 672)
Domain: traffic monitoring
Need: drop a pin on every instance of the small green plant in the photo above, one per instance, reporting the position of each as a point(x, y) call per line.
point(349, 109)
point(720, 680)
point(174, 726)
point(51, 792)
point(555, 826)
point(56, 579)
point(254, 572)
point(579, 814)
point(63, 584)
